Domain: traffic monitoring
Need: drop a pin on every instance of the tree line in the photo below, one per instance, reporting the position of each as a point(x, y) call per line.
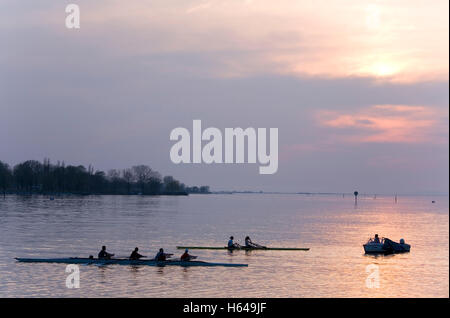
point(32, 176)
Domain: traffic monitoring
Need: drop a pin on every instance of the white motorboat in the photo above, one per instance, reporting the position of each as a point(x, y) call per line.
point(385, 246)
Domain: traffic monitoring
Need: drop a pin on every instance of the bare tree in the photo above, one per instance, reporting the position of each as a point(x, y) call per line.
point(5, 177)
point(128, 177)
point(114, 178)
point(143, 175)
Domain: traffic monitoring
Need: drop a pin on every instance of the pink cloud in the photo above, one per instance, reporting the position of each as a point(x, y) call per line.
point(386, 123)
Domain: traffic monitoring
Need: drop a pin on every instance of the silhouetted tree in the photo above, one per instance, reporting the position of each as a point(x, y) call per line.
point(128, 177)
point(171, 185)
point(5, 177)
point(47, 176)
point(193, 189)
point(204, 189)
point(114, 180)
point(154, 184)
point(60, 176)
point(27, 175)
point(142, 175)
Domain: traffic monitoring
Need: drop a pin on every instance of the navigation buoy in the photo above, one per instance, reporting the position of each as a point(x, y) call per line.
point(356, 197)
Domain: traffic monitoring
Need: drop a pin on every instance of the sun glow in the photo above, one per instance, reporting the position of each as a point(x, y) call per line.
point(383, 69)
point(403, 41)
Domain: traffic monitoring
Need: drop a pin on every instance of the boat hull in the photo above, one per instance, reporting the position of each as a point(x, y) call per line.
point(374, 248)
point(88, 261)
point(243, 248)
point(380, 248)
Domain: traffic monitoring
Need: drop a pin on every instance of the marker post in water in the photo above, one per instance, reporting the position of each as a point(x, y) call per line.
point(356, 197)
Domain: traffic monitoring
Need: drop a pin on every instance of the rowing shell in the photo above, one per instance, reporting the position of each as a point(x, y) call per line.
point(124, 261)
point(244, 248)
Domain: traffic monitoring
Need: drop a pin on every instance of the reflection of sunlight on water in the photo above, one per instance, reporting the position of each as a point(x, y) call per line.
point(330, 225)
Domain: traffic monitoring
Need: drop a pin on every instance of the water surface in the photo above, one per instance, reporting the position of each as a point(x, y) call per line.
point(330, 225)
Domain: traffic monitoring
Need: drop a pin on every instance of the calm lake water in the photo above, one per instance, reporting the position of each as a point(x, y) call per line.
point(330, 225)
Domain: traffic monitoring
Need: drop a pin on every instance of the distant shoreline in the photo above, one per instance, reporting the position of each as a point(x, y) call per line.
point(346, 194)
point(93, 194)
point(34, 177)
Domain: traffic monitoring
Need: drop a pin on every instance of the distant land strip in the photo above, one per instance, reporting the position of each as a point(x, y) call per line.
point(34, 177)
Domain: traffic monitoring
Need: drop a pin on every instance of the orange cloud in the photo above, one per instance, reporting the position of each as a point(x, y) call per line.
point(387, 123)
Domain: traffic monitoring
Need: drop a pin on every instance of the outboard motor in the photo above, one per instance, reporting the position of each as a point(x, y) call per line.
point(402, 241)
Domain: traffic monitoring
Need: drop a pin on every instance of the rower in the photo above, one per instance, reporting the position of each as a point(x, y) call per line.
point(135, 255)
point(186, 256)
point(231, 244)
point(103, 254)
point(249, 243)
point(161, 256)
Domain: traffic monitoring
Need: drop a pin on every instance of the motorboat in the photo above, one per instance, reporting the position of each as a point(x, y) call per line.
point(385, 246)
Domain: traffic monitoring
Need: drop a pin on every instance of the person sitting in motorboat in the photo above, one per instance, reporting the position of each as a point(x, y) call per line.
point(161, 256)
point(186, 256)
point(135, 255)
point(231, 244)
point(249, 243)
point(103, 254)
point(376, 239)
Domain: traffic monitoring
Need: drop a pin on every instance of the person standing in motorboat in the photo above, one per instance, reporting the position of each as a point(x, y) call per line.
point(376, 239)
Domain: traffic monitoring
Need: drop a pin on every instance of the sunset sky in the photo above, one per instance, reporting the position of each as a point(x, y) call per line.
point(358, 89)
